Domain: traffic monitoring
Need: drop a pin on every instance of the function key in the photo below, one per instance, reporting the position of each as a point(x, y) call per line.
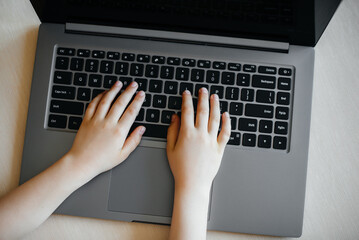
point(283, 98)
point(188, 62)
point(158, 59)
point(282, 113)
point(204, 64)
point(74, 123)
point(263, 81)
point(66, 51)
point(267, 70)
point(219, 65)
point(173, 61)
point(128, 57)
point(281, 128)
point(234, 66)
point(83, 52)
point(280, 143)
point(285, 71)
point(143, 58)
point(57, 121)
point(249, 68)
point(284, 83)
point(113, 55)
point(98, 54)
point(62, 63)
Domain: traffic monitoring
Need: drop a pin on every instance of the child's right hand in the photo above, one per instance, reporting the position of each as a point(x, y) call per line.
point(193, 148)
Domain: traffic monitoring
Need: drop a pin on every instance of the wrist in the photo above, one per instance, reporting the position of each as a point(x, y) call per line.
point(200, 191)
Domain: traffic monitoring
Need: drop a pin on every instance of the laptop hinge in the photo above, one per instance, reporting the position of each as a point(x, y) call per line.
point(178, 37)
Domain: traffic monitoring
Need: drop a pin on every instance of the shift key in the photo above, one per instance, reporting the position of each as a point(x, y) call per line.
point(262, 111)
point(67, 107)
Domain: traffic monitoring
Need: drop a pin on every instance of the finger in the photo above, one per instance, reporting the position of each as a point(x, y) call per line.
point(131, 112)
point(225, 133)
point(91, 109)
point(202, 110)
point(214, 117)
point(107, 99)
point(187, 110)
point(172, 132)
point(132, 142)
point(121, 102)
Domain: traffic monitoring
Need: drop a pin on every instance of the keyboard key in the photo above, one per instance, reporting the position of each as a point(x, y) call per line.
point(283, 98)
point(186, 86)
point(249, 68)
point(109, 81)
point(282, 113)
point(264, 141)
point(152, 115)
point(147, 101)
point(96, 92)
point(247, 124)
point(267, 70)
point(284, 83)
point(128, 57)
point(167, 72)
point(152, 71)
point(247, 95)
point(236, 108)
point(281, 128)
point(74, 123)
point(83, 52)
point(62, 63)
point(137, 69)
point(233, 123)
point(263, 81)
point(223, 106)
point(261, 111)
point(174, 103)
point(182, 73)
point(188, 62)
point(121, 68)
point(152, 130)
point(219, 65)
point(234, 66)
point(285, 71)
point(265, 96)
point(95, 80)
point(158, 59)
point(113, 55)
point(57, 121)
point(166, 116)
point(143, 58)
point(77, 64)
point(106, 67)
point(232, 93)
point(197, 75)
point(80, 79)
point(212, 76)
point(219, 90)
point(63, 92)
point(198, 87)
point(141, 115)
point(67, 107)
point(83, 94)
point(98, 54)
point(228, 78)
point(171, 87)
point(280, 143)
point(66, 51)
point(125, 81)
point(155, 86)
point(249, 140)
point(203, 63)
point(159, 101)
point(243, 79)
point(235, 138)
point(265, 126)
point(91, 65)
point(173, 61)
point(62, 77)
point(142, 84)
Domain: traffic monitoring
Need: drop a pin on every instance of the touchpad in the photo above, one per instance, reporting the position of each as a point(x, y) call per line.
point(143, 184)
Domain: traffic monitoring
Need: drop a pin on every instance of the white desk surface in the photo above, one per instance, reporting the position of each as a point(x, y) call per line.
point(332, 196)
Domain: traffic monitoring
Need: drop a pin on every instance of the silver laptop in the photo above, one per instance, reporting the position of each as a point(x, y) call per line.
point(256, 55)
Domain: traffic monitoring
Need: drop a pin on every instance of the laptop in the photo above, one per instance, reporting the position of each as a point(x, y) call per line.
point(256, 55)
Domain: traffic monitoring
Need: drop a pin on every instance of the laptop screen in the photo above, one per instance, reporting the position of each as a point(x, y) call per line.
point(279, 20)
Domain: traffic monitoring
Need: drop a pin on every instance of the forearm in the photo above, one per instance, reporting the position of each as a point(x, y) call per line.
point(29, 205)
point(190, 211)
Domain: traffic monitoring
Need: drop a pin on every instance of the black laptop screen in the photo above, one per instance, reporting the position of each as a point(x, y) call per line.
point(280, 20)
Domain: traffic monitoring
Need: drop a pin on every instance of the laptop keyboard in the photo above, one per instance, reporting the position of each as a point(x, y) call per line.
point(257, 96)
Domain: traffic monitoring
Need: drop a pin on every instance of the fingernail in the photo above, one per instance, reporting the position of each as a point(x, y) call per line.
point(118, 83)
point(215, 96)
point(133, 84)
point(142, 130)
point(173, 118)
point(141, 93)
point(204, 90)
point(186, 92)
point(226, 114)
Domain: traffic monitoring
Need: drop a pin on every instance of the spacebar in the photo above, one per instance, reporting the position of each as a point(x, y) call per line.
point(152, 130)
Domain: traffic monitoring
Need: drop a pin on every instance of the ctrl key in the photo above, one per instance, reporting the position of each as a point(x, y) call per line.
point(235, 138)
point(57, 121)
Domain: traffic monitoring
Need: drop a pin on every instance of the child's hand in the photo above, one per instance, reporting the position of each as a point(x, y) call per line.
point(101, 143)
point(194, 150)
